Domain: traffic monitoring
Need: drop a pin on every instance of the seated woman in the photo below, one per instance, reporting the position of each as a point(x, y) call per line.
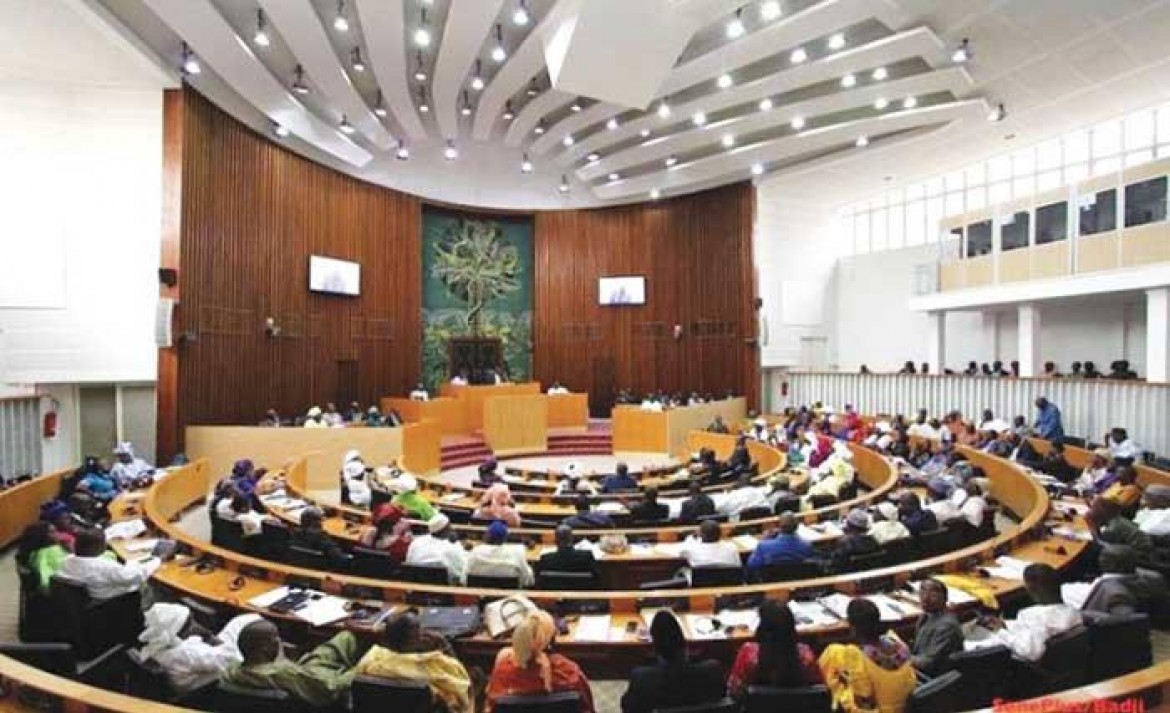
point(409, 499)
point(40, 553)
point(355, 479)
point(775, 658)
point(672, 680)
point(497, 505)
point(239, 509)
point(390, 532)
point(873, 674)
point(99, 484)
point(406, 652)
point(528, 668)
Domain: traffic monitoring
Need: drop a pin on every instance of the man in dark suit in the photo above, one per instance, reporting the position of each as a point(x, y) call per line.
point(567, 558)
point(696, 505)
point(1123, 589)
point(672, 680)
point(648, 509)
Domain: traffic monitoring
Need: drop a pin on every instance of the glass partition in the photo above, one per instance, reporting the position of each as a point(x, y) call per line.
point(979, 238)
point(1098, 212)
point(1013, 231)
point(1145, 202)
point(1052, 223)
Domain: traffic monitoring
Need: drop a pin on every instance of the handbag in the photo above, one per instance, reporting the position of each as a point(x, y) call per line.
point(450, 622)
point(503, 615)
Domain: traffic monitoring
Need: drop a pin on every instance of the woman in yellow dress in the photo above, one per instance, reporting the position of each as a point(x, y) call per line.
point(873, 675)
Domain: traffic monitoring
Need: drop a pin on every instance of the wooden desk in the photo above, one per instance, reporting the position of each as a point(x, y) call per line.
point(448, 412)
point(568, 411)
point(1082, 457)
point(474, 396)
point(20, 505)
point(516, 425)
point(638, 431)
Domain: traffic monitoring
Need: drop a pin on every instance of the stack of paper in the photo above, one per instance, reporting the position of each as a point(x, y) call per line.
point(749, 618)
point(837, 603)
point(126, 529)
point(640, 550)
point(267, 599)
point(325, 610)
point(1072, 533)
point(592, 627)
point(1008, 568)
point(670, 549)
point(810, 614)
point(892, 609)
point(610, 506)
point(954, 596)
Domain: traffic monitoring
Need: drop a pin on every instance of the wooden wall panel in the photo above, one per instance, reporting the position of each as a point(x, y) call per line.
point(696, 254)
point(252, 213)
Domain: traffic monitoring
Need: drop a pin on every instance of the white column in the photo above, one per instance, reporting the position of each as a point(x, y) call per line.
point(1031, 360)
point(1158, 334)
point(936, 347)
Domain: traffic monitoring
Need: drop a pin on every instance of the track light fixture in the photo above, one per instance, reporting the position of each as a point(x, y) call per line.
point(575, 107)
point(564, 187)
point(450, 152)
point(567, 141)
point(614, 176)
point(189, 62)
point(724, 81)
point(862, 141)
point(881, 103)
point(280, 130)
point(836, 41)
point(465, 110)
point(298, 83)
point(880, 73)
point(612, 124)
point(403, 152)
point(539, 127)
point(757, 169)
point(345, 126)
point(420, 72)
point(644, 133)
point(593, 157)
point(499, 54)
point(655, 194)
point(663, 111)
point(525, 164)
point(380, 105)
point(848, 81)
point(423, 106)
point(798, 55)
point(797, 122)
point(766, 104)
point(699, 118)
point(962, 53)
point(533, 89)
point(521, 17)
point(422, 35)
point(997, 114)
point(508, 113)
point(340, 23)
point(355, 60)
point(909, 102)
point(770, 10)
point(735, 26)
point(670, 161)
point(728, 140)
point(261, 39)
point(477, 78)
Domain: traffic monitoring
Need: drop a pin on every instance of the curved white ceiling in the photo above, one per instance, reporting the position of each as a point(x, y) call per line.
point(604, 151)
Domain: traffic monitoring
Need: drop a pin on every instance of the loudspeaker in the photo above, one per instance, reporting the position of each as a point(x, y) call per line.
point(168, 276)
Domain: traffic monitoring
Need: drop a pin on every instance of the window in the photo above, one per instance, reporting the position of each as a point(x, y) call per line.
point(1106, 139)
point(1145, 202)
point(979, 238)
point(999, 168)
point(1023, 186)
point(1013, 231)
point(1076, 147)
point(1139, 130)
point(896, 219)
point(1051, 223)
point(976, 198)
point(877, 231)
point(1048, 155)
point(954, 204)
point(999, 192)
point(1048, 180)
point(1098, 213)
point(915, 223)
point(1024, 163)
point(1076, 172)
point(934, 214)
point(861, 233)
point(1105, 166)
point(1133, 158)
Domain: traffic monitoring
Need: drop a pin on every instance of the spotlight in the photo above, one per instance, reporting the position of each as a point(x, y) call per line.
point(423, 106)
point(881, 103)
point(766, 104)
point(539, 128)
point(837, 41)
point(997, 114)
point(699, 118)
point(477, 78)
point(909, 102)
point(962, 53)
point(670, 161)
point(345, 126)
point(575, 107)
point(466, 109)
point(798, 55)
point(728, 141)
point(520, 17)
point(770, 10)
point(298, 83)
point(420, 72)
point(403, 151)
point(339, 22)
point(422, 35)
point(797, 122)
point(564, 187)
point(525, 165)
point(880, 73)
point(380, 106)
point(614, 176)
point(612, 124)
point(848, 80)
point(724, 81)
point(593, 157)
point(508, 113)
point(190, 62)
point(862, 141)
point(450, 152)
point(532, 89)
point(654, 194)
point(663, 110)
point(261, 36)
point(735, 27)
point(757, 169)
point(644, 133)
point(280, 130)
point(567, 141)
point(499, 54)
point(356, 60)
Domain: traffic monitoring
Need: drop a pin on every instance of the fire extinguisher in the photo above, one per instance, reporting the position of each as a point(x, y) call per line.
point(784, 389)
point(49, 427)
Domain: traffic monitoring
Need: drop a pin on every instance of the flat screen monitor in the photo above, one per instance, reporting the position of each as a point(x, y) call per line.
point(334, 277)
point(622, 290)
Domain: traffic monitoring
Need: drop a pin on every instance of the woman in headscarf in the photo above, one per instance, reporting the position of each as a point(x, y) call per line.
point(406, 652)
point(390, 532)
point(527, 667)
point(189, 656)
point(409, 499)
point(40, 553)
point(873, 674)
point(497, 505)
point(353, 477)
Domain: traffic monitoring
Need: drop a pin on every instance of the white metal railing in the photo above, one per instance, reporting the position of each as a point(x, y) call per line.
point(1089, 407)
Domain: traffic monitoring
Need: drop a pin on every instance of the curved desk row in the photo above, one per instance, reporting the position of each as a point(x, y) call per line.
point(20, 505)
point(1081, 458)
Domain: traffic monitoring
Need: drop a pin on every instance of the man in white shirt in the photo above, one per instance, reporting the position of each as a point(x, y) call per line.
point(1121, 445)
point(332, 417)
point(1096, 472)
point(557, 389)
point(1154, 516)
point(129, 467)
point(1027, 635)
point(941, 504)
point(238, 508)
point(420, 393)
point(436, 549)
point(104, 578)
point(992, 424)
point(189, 659)
point(886, 526)
point(497, 558)
point(971, 503)
point(315, 418)
point(708, 550)
point(743, 496)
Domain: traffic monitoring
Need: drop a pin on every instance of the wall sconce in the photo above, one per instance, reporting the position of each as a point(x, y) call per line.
point(678, 332)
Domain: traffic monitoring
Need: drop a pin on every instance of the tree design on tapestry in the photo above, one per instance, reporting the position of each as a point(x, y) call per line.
point(475, 266)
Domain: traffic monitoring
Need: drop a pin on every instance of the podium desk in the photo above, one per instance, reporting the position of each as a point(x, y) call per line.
point(666, 431)
point(568, 411)
point(446, 411)
point(472, 398)
point(518, 424)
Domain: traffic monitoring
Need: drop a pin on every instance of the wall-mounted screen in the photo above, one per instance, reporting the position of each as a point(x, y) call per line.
point(622, 291)
point(334, 277)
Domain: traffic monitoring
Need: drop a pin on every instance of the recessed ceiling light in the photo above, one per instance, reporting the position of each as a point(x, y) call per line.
point(403, 151)
point(881, 103)
point(663, 110)
point(766, 104)
point(757, 169)
point(996, 114)
point(532, 89)
point(345, 126)
point(962, 53)
point(466, 109)
point(612, 124)
point(644, 133)
point(520, 17)
point(798, 55)
point(477, 78)
point(450, 152)
point(340, 23)
point(670, 161)
point(614, 176)
point(261, 36)
point(848, 80)
point(909, 102)
point(422, 100)
point(735, 26)
point(724, 81)
point(525, 165)
point(420, 72)
point(770, 10)
point(654, 194)
point(380, 105)
point(699, 118)
point(190, 63)
point(593, 157)
point(797, 122)
point(880, 73)
point(837, 41)
point(280, 130)
point(862, 141)
point(728, 140)
point(568, 140)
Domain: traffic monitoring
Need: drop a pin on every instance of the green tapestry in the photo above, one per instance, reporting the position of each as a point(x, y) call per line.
point(477, 281)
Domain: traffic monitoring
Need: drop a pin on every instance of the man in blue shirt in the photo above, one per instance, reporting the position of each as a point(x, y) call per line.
point(620, 480)
point(1048, 423)
point(784, 548)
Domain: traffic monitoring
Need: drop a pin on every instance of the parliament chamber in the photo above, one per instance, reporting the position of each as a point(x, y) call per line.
point(584, 356)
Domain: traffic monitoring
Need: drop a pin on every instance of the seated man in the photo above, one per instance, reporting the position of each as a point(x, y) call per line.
point(786, 547)
point(315, 418)
point(1110, 527)
point(938, 633)
point(103, 577)
point(1154, 516)
point(407, 652)
point(887, 527)
point(972, 504)
point(487, 474)
point(566, 557)
point(586, 518)
point(557, 389)
point(311, 535)
point(1121, 446)
point(319, 679)
point(1027, 635)
point(696, 505)
point(916, 518)
point(620, 480)
point(708, 550)
point(718, 426)
point(940, 490)
point(189, 656)
point(238, 508)
point(1126, 491)
point(1122, 588)
point(420, 393)
point(438, 549)
point(496, 557)
point(648, 509)
point(129, 470)
point(857, 540)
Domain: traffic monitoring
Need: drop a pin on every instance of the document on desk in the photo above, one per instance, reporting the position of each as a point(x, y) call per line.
point(592, 627)
point(810, 614)
point(704, 627)
point(267, 599)
point(126, 529)
point(610, 506)
point(638, 549)
point(325, 610)
point(670, 549)
point(1072, 533)
point(1008, 568)
point(142, 545)
point(954, 596)
point(891, 609)
point(740, 617)
point(451, 498)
